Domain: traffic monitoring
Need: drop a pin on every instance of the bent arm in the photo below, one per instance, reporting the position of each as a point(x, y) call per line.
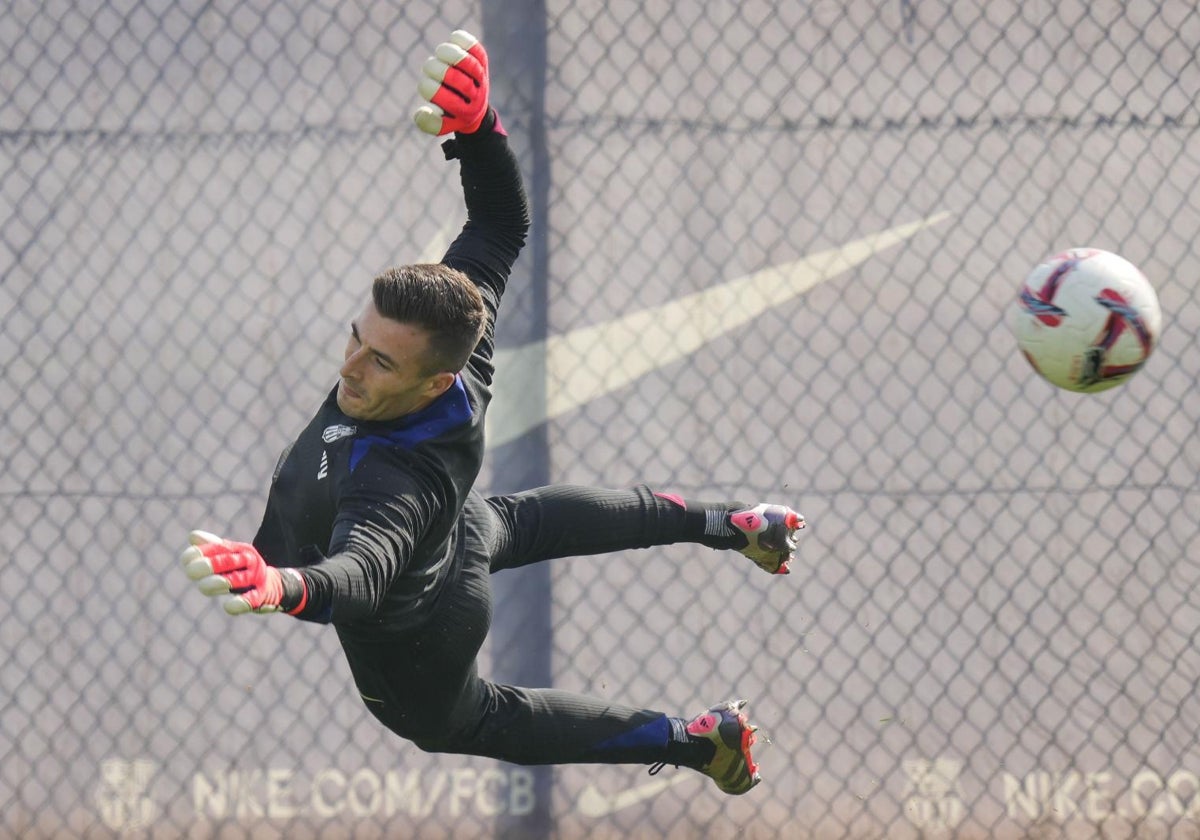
point(374, 542)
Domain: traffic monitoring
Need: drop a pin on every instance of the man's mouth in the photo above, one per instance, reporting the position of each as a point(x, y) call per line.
point(350, 392)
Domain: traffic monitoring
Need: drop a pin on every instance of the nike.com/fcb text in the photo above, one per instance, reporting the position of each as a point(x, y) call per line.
point(281, 793)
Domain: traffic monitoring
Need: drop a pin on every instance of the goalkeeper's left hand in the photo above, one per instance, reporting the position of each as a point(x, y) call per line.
point(455, 81)
point(237, 572)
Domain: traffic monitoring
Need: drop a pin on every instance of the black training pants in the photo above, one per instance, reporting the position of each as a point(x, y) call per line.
point(423, 683)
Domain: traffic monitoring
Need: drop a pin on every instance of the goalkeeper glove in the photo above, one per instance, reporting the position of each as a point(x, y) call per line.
point(456, 84)
point(223, 568)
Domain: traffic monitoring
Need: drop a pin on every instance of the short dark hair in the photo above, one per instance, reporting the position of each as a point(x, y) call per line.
point(441, 300)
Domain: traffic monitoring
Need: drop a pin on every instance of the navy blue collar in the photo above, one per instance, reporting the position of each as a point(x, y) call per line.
point(449, 411)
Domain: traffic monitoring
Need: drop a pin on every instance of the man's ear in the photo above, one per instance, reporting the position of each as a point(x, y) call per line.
point(438, 384)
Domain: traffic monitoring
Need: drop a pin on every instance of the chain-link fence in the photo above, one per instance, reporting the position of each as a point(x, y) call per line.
point(773, 247)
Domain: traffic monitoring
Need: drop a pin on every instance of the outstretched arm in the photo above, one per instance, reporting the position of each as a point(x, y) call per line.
point(456, 84)
point(373, 542)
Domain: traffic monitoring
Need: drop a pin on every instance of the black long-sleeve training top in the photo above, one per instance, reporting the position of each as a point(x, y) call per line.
point(371, 510)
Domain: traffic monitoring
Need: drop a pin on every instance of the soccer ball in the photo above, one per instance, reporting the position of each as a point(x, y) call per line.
point(1086, 319)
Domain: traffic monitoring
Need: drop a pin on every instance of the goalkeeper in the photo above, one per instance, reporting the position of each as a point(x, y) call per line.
point(372, 525)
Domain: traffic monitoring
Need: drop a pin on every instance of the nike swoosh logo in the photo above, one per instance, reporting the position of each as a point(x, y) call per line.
point(593, 803)
point(623, 349)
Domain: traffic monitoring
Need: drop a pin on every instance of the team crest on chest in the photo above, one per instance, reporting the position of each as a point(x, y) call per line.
point(337, 432)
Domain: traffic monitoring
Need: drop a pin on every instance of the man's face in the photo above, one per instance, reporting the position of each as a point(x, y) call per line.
point(383, 376)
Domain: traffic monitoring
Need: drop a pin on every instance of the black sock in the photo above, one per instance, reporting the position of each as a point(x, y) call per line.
point(685, 751)
point(706, 523)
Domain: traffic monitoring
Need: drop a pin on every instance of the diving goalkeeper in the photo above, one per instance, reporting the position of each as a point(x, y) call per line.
point(372, 525)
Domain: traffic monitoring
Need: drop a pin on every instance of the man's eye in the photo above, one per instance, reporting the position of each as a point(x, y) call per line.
point(382, 364)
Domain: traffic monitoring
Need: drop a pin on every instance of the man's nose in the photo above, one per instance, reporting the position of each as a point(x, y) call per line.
point(352, 364)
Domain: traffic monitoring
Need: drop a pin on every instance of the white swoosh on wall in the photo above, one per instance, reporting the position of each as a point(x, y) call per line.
point(435, 249)
point(623, 349)
point(593, 803)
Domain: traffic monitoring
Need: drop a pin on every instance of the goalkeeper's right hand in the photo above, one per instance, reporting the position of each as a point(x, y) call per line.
point(455, 82)
point(237, 573)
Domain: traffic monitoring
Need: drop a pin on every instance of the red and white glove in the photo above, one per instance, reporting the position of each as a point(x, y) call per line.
point(222, 567)
point(455, 82)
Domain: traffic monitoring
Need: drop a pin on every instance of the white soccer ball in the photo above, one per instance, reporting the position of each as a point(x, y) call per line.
point(1086, 319)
